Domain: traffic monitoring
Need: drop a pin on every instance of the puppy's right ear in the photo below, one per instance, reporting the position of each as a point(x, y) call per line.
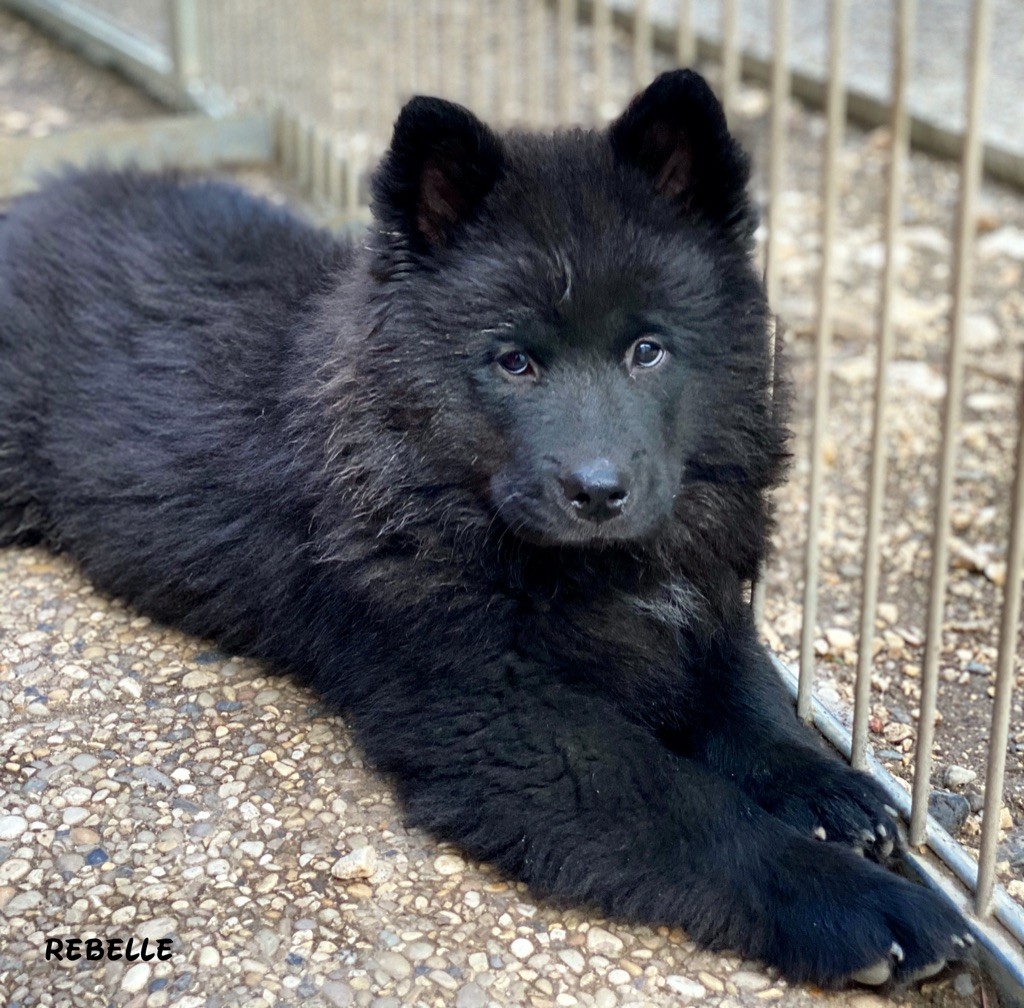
point(441, 164)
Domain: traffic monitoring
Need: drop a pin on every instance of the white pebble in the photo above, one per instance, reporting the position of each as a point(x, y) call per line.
point(12, 826)
point(603, 942)
point(449, 864)
point(357, 864)
point(686, 988)
point(522, 948)
point(136, 978)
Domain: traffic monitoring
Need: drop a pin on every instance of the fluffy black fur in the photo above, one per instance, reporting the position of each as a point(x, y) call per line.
point(320, 455)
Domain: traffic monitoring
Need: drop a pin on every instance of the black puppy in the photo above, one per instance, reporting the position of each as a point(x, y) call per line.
point(494, 484)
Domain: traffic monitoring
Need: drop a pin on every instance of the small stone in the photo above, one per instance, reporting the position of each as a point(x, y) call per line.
point(958, 776)
point(604, 942)
point(130, 686)
point(136, 978)
point(74, 815)
point(949, 809)
point(573, 959)
point(1005, 241)
point(337, 994)
point(1005, 819)
point(209, 956)
point(199, 679)
point(980, 332)
point(1011, 850)
point(478, 962)
point(22, 901)
point(711, 982)
point(14, 869)
point(888, 612)
point(687, 989)
point(96, 856)
point(82, 836)
point(964, 985)
point(449, 864)
point(394, 964)
point(419, 950)
point(358, 864)
point(869, 1001)
point(618, 977)
point(840, 640)
point(749, 980)
point(84, 762)
point(522, 948)
point(12, 826)
point(470, 995)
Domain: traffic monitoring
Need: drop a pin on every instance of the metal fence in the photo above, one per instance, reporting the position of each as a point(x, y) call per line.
point(332, 76)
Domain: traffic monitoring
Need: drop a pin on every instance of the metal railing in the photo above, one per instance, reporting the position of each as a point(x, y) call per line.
point(333, 77)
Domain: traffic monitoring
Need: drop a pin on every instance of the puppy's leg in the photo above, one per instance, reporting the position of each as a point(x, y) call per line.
point(558, 789)
point(750, 734)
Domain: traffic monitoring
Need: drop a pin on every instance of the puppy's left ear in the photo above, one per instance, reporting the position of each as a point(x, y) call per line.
point(675, 133)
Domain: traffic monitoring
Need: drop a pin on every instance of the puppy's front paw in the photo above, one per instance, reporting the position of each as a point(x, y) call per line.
point(850, 921)
point(836, 803)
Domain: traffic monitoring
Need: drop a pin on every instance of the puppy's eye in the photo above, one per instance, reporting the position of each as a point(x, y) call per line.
point(517, 363)
point(647, 354)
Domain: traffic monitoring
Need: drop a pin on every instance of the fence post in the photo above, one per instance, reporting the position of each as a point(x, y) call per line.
point(183, 19)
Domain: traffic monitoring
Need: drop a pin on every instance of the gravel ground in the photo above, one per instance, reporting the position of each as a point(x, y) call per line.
point(155, 787)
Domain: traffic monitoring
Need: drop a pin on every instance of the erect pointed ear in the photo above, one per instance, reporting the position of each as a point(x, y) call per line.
point(441, 164)
point(675, 132)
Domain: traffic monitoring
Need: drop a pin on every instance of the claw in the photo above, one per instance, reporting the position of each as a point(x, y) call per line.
point(959, 942)
point(873, 976)
point(896, 951)
point(882, 831)
point(887, 848)
point(891, 811)
point(867, 836)
point(819, 832)
point(969, 938)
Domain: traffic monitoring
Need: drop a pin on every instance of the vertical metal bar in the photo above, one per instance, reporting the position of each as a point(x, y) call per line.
point(686, 46)
point(536, 51)
point(318, 167)
point(730, 54)
point(642, 42)
point(448, 46)
point(394, 15)
point(405, 47)
point(183, 18)
point(1005, 669)
point(963, 269)
point(903, 28)
point(602, 58)
point(566, 60)
point(777, 142)
point(776, 167)
point(506, 63)
point(836, 106)
point(335, 175)
point(477, 54)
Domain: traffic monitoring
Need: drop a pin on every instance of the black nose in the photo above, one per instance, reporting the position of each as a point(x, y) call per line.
point(596, 491)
